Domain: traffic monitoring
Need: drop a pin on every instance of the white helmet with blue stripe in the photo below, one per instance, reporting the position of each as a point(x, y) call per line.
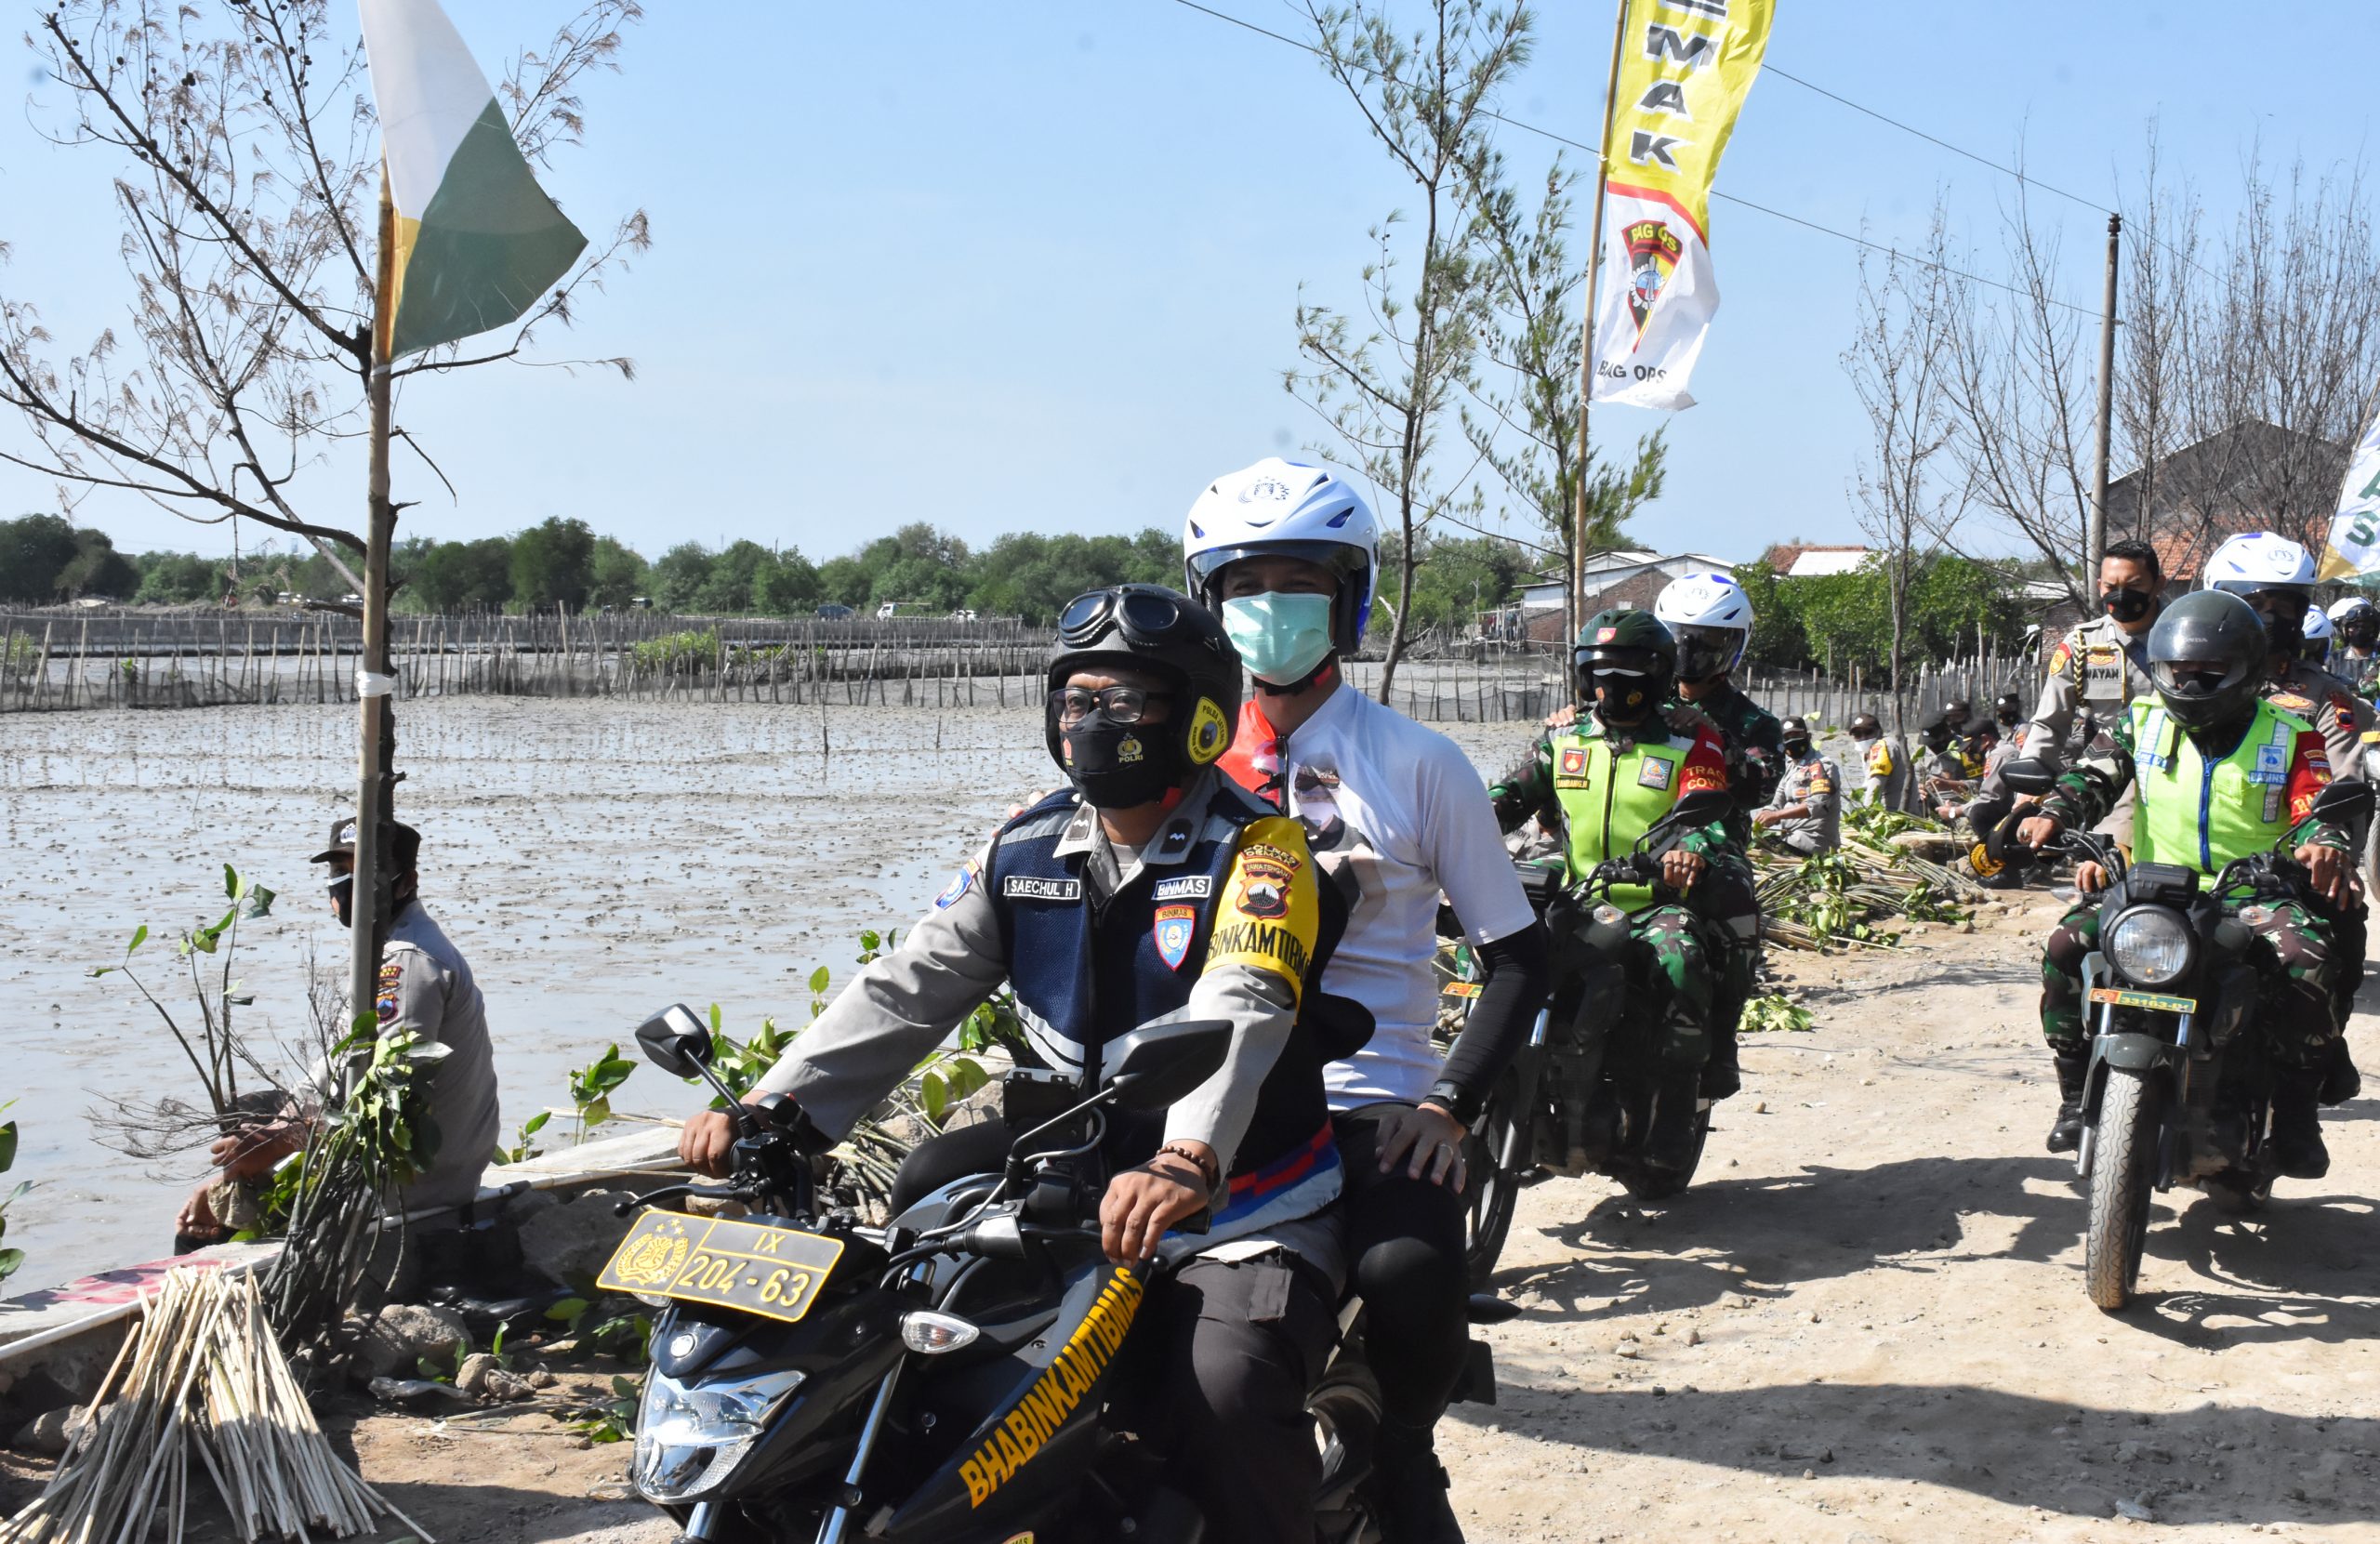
point(1711, 617)
point(1286, 509)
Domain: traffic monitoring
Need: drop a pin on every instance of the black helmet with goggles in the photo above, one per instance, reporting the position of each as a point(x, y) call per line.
point(2207, 657)
point(1160, 632)
point(1633, 656)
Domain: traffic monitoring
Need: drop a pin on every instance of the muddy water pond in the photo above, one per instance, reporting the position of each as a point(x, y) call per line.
point(594, 860)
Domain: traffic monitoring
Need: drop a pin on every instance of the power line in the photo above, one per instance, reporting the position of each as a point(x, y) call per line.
point(1767, 69)
point(1581, 145)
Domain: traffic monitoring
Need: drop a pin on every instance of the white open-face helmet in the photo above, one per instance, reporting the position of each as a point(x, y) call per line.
point(2259, 560)
point(2318, 626)
point(1288, 509)
point(2344, 607)
point(1710, 615)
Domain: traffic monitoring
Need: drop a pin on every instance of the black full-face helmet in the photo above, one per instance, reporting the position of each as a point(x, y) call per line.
point(2207, 657)
point(1152, 629)
point(1633, 651)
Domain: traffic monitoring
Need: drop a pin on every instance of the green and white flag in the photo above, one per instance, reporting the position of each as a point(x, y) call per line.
point(478, 240)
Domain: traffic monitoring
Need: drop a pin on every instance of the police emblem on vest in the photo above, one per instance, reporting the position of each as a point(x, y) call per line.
point(1101, 967)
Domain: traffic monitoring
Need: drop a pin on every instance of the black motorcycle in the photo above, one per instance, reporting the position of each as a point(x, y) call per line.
point(2178, 1089)
point(950, 1376)
point(1577, 1099)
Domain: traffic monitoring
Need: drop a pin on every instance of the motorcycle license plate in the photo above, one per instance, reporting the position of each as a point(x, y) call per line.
point(2122, 997)
point(1459, 989)
point(773, 1272)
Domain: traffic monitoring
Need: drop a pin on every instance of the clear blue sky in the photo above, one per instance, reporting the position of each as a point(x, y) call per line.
point(1032, 266)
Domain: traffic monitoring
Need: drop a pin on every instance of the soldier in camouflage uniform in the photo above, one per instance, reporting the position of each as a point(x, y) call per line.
point(1711, 618)
point(2222, 774)
point(2274, 577)
point(1599, 783)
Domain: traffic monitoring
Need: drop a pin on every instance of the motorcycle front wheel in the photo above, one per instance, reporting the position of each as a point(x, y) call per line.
point(2124, 1174)
point(1498, 1154)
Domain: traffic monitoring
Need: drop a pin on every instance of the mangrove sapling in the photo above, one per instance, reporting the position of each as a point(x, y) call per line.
point(9, 1258)
point(213, 1045)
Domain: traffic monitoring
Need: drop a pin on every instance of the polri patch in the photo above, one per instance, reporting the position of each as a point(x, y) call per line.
point(1174, 928)
point(960, 883)
point(1189, 887)
point(1026, 886)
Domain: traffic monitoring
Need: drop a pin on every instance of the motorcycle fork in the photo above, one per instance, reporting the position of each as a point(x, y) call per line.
point(833, 1532)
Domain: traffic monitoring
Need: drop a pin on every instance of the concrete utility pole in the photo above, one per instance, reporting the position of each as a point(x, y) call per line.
point(2097, 541)
point(1578, 587)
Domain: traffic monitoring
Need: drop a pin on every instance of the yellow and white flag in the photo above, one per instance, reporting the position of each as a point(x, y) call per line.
point(1685, 67)
point(2353, 546)
point(478, 240)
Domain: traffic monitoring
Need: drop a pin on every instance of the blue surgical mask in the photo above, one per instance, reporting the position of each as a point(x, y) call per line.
point(1281, 637)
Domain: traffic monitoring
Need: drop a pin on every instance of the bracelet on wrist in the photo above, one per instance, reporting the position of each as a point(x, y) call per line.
point(1209, 1170)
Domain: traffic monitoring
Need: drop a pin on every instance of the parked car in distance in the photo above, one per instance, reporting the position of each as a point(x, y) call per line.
point(963, 614)
point(831, 612)
point(886, 611)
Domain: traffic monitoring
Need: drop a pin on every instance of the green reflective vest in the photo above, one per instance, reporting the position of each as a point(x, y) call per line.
point(2203, 814)
point(1609, 801)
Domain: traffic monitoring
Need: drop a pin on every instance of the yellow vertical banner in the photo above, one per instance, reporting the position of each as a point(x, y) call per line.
point(1685, 67)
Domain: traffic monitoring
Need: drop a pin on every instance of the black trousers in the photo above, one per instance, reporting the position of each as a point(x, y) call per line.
point(1231, 1348)
point(1405, 1242)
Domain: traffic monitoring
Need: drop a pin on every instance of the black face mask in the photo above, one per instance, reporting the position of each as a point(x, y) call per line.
point(2126, 605)
point(1119, 766)
point(343, 898)
point(1623, 702)
point(1797, 748)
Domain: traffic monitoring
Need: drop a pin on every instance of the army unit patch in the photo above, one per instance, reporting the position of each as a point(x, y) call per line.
point(1655, 772)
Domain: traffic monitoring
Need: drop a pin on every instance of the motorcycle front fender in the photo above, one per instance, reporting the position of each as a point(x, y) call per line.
point(2145, 1054)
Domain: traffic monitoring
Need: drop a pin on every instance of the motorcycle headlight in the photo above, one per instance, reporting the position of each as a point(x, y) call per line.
point(689, 1436)
point(2149, 946)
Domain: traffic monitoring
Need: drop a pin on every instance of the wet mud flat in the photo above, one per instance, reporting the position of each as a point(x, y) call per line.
point(594, 860)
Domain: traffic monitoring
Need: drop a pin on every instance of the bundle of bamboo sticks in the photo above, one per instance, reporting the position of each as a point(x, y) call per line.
point(200, 1375)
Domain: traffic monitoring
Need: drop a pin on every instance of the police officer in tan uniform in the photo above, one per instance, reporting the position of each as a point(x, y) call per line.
point(2100, 666)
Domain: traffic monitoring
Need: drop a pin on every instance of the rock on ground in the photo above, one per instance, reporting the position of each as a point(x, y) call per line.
point(403, 1334)
point(569, 1244)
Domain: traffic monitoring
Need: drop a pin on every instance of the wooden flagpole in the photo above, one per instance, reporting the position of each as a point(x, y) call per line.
point(1586, 329)
point(370, 901)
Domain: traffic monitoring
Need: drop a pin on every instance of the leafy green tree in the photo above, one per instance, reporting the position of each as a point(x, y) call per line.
point(788, 586)
point(732, 586)
point(616, 574)
point(98, 569)
point(181, 578)
point(679, 576)
point(36, 551)
point(459, 577)
point(553, 564)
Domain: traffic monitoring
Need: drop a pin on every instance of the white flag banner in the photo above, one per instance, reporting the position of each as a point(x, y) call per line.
point(1659, 293)
point(2354, 544)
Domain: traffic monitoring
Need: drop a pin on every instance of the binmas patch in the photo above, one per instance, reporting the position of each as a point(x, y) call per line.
point(1176, 927)
point(1655, 773)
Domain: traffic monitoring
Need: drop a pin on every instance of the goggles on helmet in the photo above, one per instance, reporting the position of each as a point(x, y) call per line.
point(1143, 616)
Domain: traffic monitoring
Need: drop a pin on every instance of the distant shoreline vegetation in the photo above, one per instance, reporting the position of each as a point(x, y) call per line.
point(44, 559)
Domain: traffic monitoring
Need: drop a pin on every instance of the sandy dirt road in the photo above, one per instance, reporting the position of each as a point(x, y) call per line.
point(1865, 1323)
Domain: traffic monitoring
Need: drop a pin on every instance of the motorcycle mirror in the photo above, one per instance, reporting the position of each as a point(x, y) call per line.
point(677, 1040)
point(1162, 1061)
point(2029, 776)
point(2344, 803)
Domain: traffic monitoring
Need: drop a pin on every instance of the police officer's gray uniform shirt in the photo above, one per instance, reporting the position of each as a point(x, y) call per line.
point(426, 986)
point(1816, 783)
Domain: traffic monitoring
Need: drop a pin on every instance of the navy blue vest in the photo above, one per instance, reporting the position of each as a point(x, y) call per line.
point(1085, 970)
